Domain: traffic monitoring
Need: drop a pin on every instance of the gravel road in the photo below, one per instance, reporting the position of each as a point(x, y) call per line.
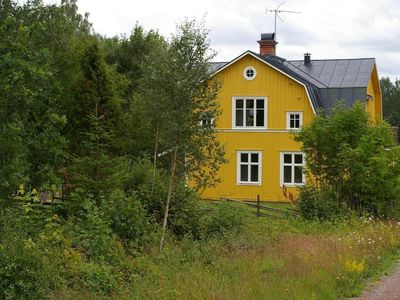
point(387, 288)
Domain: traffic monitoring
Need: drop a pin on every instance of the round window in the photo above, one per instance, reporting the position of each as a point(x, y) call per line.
point(249, 73)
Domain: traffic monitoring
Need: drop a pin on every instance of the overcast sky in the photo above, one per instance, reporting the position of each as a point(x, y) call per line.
point(326, 29)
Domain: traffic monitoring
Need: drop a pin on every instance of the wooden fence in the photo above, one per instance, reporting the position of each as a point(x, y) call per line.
point(260, 210)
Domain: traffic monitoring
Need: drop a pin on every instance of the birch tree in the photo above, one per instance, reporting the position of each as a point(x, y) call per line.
point(189, 106)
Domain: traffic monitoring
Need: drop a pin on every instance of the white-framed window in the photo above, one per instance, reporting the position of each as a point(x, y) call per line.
point(249, 164)
point(206, 120)
point(294, 120)
point(292, 166)
point(249, 73)
point(250, 113)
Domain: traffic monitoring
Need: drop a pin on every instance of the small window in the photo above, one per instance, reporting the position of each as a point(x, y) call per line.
point(206, 120)
point(249, 73)
point(294, 120)
point(292, 165)
point(249, 167)
point(249, 113)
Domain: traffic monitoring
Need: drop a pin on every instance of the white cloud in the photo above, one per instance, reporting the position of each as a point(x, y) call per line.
point(327, 29)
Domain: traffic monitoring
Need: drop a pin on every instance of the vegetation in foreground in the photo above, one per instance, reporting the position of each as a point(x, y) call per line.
point(236, 256)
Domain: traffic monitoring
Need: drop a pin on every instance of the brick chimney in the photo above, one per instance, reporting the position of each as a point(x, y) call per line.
point(267, 44)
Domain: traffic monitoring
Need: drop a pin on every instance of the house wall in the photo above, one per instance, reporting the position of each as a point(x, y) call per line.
point(283, 94)
point(374, 107)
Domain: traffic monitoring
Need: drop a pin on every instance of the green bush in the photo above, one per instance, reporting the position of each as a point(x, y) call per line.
point(226, 219)
point(184, 215)
point(318, 204)
point(127, 217)
point(27, 267)
point(99, 277)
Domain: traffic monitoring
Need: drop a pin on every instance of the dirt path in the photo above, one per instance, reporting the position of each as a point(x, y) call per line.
point(387, 288)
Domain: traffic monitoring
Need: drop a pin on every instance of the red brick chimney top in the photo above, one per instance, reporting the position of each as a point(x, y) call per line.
point(267, 44)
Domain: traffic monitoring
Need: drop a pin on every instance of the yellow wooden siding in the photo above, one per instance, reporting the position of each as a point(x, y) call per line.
point(374, 106)
point(283, 94)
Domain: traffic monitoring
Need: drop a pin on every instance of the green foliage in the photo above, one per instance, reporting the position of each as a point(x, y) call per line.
point(99, 278)
point(318, 204)
point(184, 216)
point(354, 158)
point(391, 100)
point(227, 219)
point(38, 59)
point(127, 218)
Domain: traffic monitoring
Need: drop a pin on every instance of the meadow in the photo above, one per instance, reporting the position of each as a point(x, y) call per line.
point(268, 259)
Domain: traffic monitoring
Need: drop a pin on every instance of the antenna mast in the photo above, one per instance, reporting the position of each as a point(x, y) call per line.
point(277, 11)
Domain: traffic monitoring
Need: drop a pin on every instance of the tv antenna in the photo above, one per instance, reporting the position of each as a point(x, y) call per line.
point(277, 11)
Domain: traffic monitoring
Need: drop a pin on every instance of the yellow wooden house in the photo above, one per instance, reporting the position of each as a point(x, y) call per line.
point(264, 98)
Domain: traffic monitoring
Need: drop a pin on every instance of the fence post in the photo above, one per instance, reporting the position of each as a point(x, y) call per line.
point(258, 205)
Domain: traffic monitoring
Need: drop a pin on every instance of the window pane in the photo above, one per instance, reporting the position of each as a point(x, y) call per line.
point(239, 103)
point(260, 103)
point(244, 173)
point(298, 158)
point(260, 117)
point(287, 158)
point(297, 124)
point(254, 173)
point(287, 174)
point(298, 175)
point(292, 124)
point(254, 157)
point(239, 117)
point(249, 103)
point(249, 117)
point(244, 157)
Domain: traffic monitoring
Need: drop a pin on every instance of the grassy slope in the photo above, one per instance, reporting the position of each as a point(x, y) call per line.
point(285, 259)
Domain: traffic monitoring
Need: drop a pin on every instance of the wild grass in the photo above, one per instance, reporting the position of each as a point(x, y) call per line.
point(272, 259)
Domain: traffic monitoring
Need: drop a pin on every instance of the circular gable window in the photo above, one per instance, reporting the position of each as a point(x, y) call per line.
point(249, 73)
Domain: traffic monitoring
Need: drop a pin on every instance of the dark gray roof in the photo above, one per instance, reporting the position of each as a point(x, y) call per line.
point(338, 73)
point(326, 80)
point(214, 66)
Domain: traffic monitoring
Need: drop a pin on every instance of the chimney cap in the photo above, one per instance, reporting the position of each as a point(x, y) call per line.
point(267, 36)
point(307, 58)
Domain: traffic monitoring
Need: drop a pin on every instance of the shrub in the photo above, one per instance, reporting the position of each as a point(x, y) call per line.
point(226, 219)
point(99, 277)
point(127, 217)
point(318, 204)
point(184, 216)
point(355, 157)
point(27, 268)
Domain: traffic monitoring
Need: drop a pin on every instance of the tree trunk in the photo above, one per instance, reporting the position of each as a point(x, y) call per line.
point(168, 201)
point(155, 158)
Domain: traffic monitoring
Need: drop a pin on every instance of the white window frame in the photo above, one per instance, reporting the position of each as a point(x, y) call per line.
point(247, 69)
point(249, 163)
point(292, 164)
point(202, 120)
point(288, 113)
point(244, 127)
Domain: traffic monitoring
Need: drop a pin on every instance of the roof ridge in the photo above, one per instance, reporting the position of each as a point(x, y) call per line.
point(358, 58)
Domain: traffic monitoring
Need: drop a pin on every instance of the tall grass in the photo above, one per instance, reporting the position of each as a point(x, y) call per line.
point(286, 259)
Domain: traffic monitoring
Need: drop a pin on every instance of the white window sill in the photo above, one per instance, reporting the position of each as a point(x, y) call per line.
point(249, 183)
point(292, 184)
